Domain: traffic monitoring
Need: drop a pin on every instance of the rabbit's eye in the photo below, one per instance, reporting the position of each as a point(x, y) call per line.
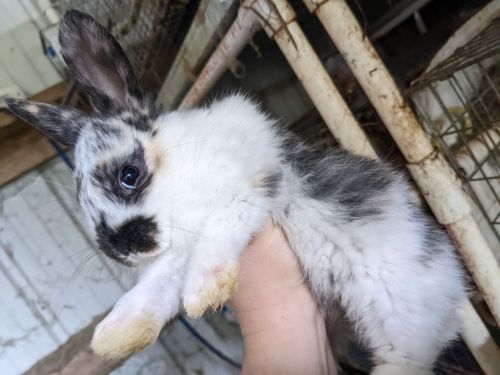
point(129, 176)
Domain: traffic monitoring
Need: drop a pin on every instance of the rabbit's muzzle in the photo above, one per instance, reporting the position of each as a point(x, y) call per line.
point(135, 236)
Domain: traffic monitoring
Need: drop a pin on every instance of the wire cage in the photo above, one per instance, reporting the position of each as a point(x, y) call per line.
point(150, 31)
point(458, 102)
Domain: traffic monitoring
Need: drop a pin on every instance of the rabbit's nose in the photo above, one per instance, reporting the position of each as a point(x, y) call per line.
point(136, 235)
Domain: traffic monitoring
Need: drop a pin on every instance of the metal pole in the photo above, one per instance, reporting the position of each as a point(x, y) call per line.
point(239, 34)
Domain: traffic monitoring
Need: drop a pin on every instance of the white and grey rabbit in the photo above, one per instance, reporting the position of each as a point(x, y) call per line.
point(185, 192)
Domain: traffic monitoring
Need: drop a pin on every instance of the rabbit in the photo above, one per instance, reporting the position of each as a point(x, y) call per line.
point(182, 193)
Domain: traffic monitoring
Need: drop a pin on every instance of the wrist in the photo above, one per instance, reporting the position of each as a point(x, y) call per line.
point(286, 336)
point(282, 327)
point(276, 310)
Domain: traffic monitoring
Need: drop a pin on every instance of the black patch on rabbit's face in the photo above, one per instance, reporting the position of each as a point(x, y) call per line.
point(136, 235)
point(106, 177)
point(143, 118)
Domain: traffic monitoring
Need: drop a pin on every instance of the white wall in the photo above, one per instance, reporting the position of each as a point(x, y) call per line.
point(14, 13)
point(22, 61)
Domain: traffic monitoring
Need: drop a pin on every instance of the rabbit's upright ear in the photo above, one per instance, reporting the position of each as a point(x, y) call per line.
point(59, 122)
point(98, 63)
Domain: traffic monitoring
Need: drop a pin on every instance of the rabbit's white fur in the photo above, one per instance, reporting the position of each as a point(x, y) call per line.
point(209, 178)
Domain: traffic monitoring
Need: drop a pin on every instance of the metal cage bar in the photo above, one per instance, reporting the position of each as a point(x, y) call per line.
point(474, 78)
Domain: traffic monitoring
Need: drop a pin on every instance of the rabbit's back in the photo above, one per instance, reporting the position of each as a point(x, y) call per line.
point(364, 243)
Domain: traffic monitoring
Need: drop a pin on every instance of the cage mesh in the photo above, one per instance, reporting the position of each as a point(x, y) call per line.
point(147, 29)
point(458, 103)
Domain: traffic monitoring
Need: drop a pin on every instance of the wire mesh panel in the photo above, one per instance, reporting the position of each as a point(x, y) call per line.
point(147, 29)
point(458, 102)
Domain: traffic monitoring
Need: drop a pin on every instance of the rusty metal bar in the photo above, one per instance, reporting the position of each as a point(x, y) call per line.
point(239, 34)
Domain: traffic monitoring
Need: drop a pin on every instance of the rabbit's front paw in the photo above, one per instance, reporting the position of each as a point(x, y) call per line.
point(211, 289)
point(124, 332)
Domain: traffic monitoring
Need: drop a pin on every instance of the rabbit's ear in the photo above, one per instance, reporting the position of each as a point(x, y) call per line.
point(98, 63)
point(59, 122)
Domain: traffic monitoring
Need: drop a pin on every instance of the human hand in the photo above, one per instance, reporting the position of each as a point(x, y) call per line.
point(282, 328)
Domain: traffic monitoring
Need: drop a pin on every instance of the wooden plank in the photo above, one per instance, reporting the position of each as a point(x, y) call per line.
point(75, 357)
point(22, 148)
point(51, 94)
point(23, 152)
